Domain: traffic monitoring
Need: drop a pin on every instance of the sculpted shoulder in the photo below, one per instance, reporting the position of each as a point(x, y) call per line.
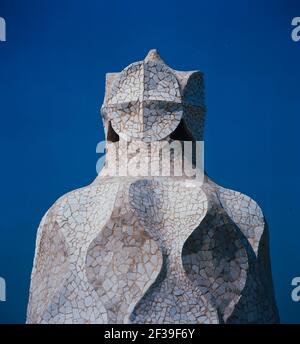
point(244, 212)
point(74, 206)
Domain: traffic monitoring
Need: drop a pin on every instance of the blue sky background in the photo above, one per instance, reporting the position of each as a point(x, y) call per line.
point(52, 72)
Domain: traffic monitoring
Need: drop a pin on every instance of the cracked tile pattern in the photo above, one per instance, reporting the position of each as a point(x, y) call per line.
point(147, 100)
point(152, 249)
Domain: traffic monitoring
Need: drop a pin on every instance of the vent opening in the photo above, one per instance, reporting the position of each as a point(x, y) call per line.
point(181, 133)
point(112, 136)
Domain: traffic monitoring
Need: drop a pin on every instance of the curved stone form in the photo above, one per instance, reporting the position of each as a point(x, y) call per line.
point(152, 249)
point(147, 100)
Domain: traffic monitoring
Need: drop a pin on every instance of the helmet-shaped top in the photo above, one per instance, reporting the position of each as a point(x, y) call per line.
point(148, 101)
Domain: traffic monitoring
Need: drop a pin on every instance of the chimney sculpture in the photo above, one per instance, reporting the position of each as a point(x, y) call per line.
point(144, 245)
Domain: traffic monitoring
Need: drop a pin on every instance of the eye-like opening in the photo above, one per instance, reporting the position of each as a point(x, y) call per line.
point(112, 136)
point(181, 133)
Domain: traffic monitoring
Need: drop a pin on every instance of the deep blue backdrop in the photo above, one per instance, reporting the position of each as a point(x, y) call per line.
point(52, 71)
